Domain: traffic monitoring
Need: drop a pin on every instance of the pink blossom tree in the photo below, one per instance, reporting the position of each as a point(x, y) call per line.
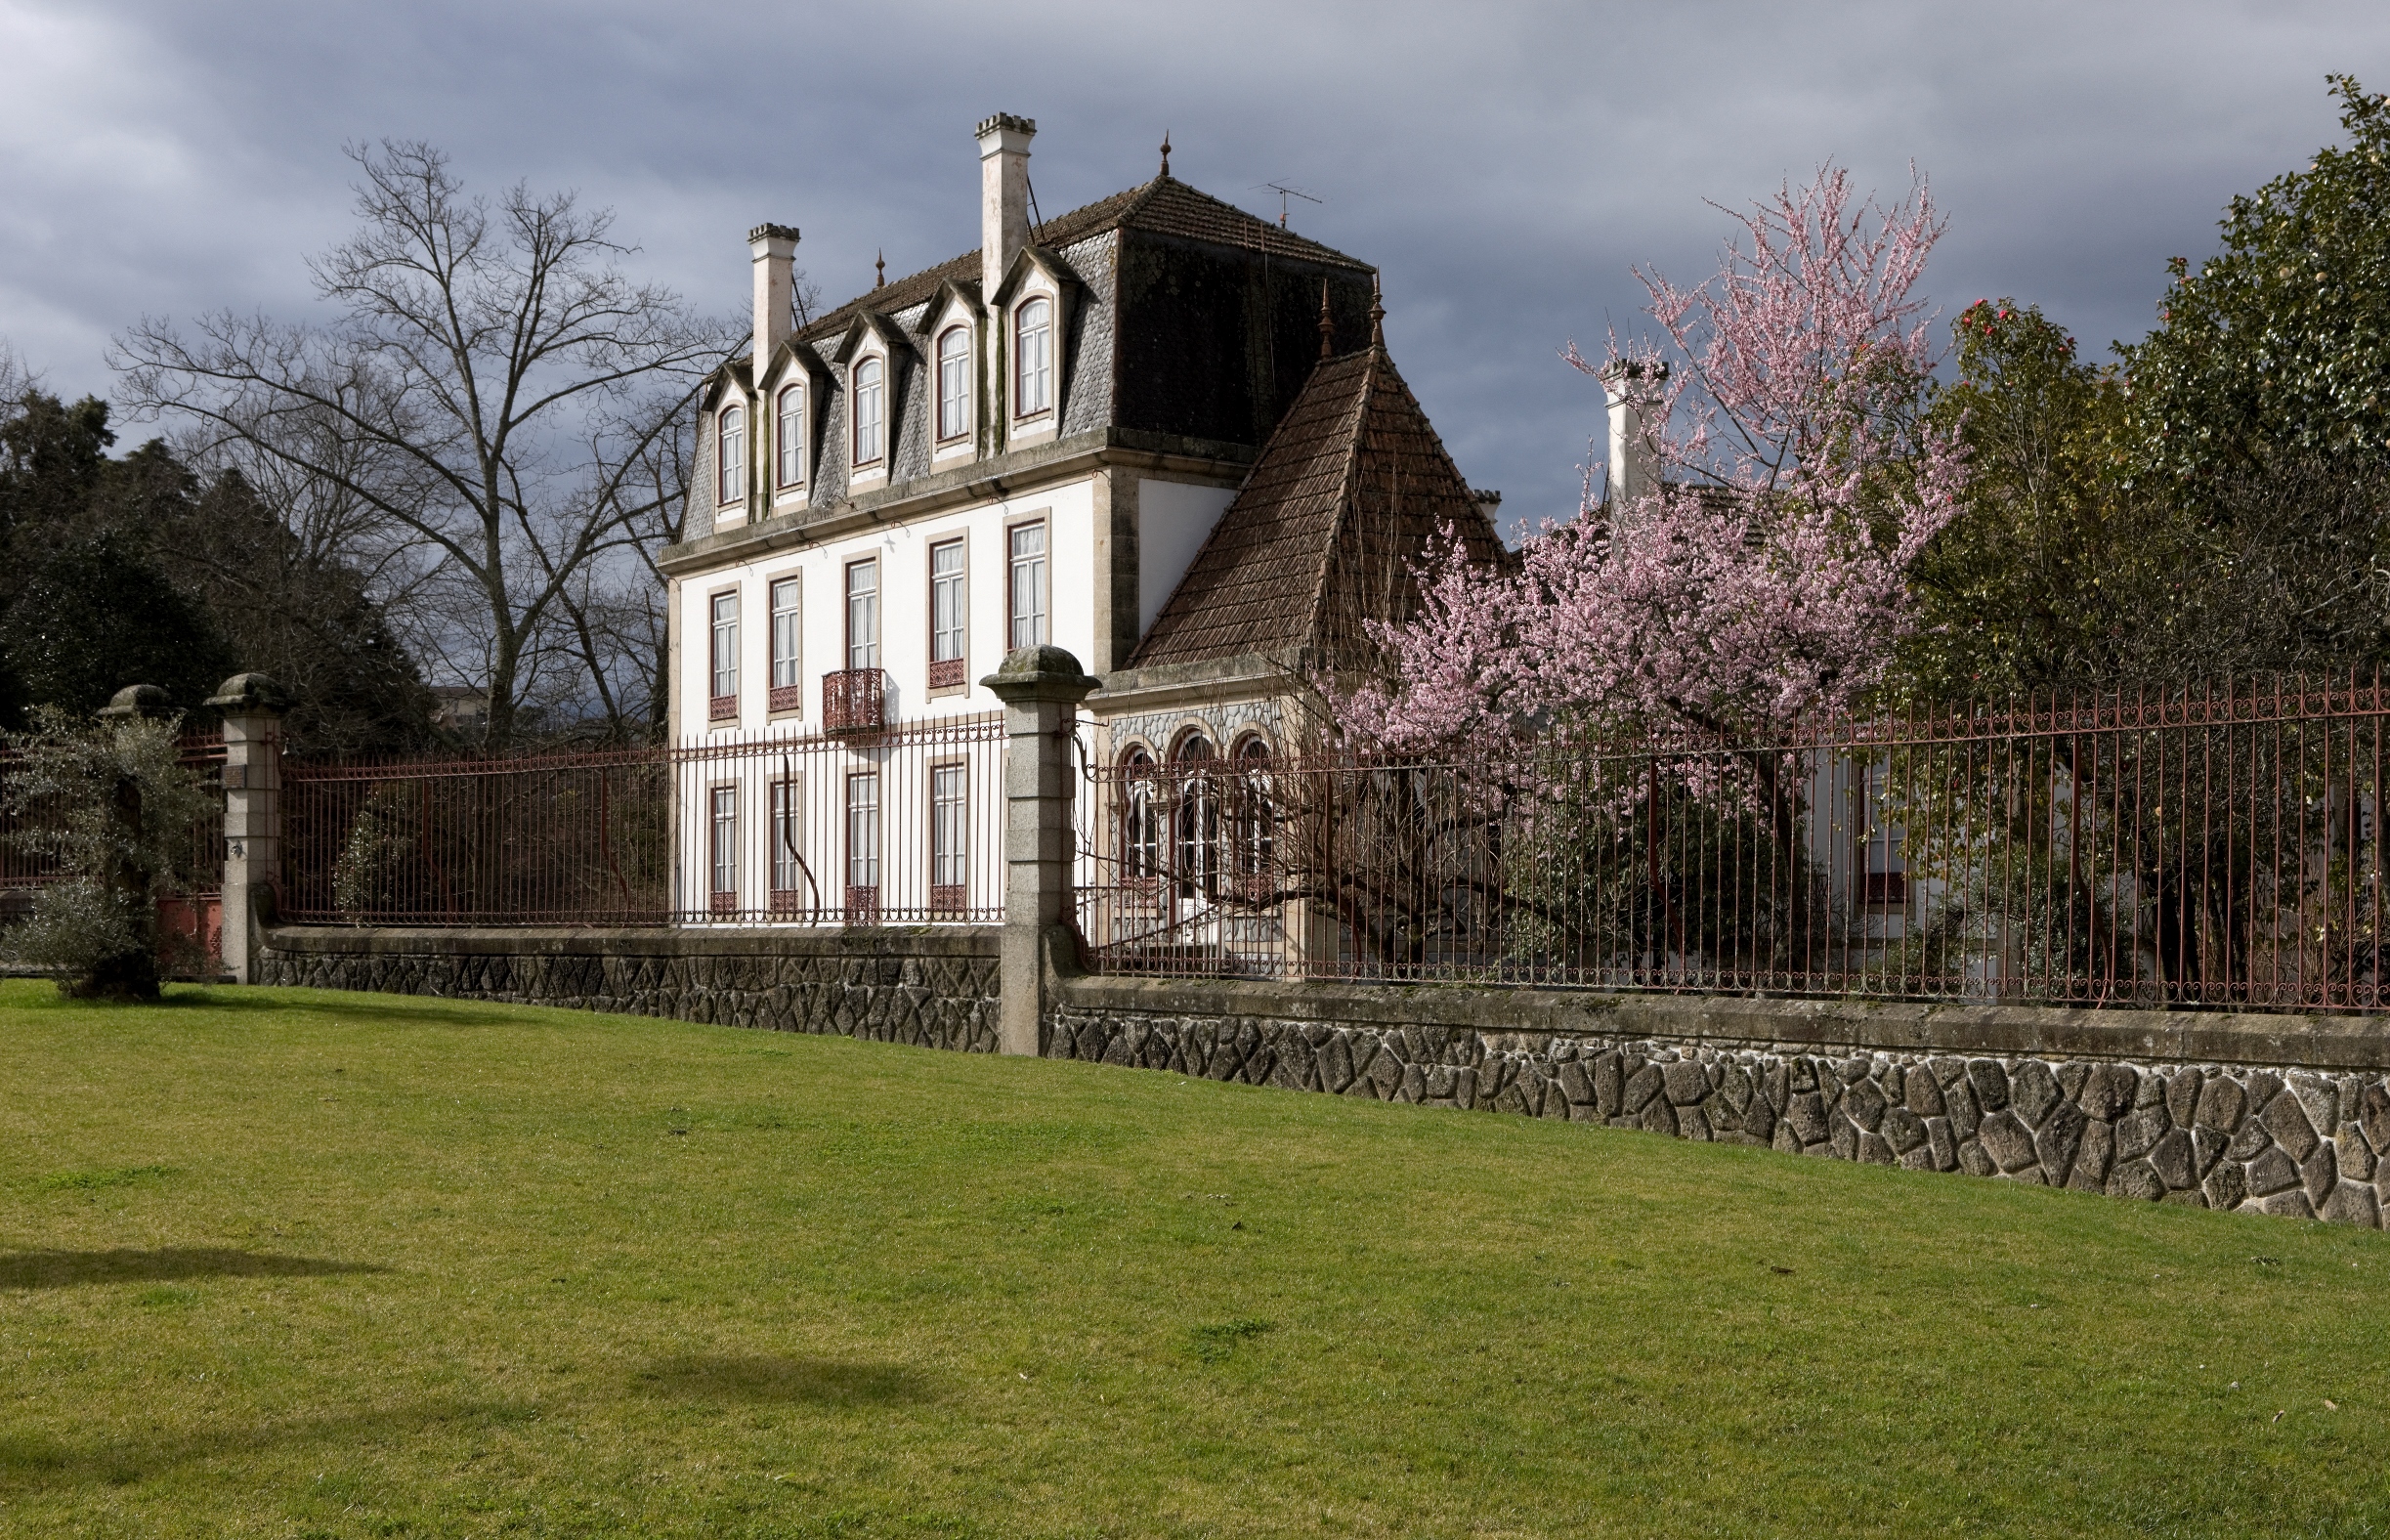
point(1759, 577)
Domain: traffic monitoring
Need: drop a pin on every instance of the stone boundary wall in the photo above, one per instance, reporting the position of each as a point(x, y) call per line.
point(930, 988)
point(2277, 1115)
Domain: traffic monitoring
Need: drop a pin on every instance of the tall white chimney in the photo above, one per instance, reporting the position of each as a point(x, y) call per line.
point(775, 250)
point(1635, 392)
point(1004, 195)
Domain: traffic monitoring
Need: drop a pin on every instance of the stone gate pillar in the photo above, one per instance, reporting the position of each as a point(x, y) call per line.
point(252, 705)
point(1040, 688)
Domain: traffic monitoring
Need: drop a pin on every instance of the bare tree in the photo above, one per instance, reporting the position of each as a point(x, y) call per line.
point(494, 396)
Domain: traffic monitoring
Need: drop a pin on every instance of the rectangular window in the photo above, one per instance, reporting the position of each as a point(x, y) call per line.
point(949, 837)
point(1028, 587)
point(723, 849)
point(863, 613)
point(863, 848)
point(948, 615)
point(724, 659)
point(788, 867)
point(788, 617)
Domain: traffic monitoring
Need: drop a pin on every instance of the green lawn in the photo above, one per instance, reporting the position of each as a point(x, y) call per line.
point(275, 1263)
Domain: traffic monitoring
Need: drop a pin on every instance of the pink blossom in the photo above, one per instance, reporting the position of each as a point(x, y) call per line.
point(1764, 580)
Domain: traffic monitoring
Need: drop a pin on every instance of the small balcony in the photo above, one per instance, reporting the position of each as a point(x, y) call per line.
point(854, 702)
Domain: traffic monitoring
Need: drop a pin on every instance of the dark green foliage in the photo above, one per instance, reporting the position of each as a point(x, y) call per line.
point(2281, 346)
point(96, 615)
point(134, 569)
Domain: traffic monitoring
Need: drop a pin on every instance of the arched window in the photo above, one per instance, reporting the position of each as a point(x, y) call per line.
point(1197, 834)
point(1140, 821)
point(1033, 354)
point(1252, 817)
point(870, 410)
point(789, 431)
point(729, 458)
point(954, 383)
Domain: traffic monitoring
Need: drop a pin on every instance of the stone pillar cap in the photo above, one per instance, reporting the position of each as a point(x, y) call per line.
point(137, 700)
point(250, 692)
point(1032, 673)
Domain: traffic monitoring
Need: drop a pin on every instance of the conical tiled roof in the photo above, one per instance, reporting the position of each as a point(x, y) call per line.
point(1352, 489)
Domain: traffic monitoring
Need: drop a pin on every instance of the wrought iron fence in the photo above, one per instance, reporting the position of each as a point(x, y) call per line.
point(899, 826)
point(2218, 847)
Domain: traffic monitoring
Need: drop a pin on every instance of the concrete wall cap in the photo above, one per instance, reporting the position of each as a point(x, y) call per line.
point(1036, 672)
point(250, 692)
point(137, 700)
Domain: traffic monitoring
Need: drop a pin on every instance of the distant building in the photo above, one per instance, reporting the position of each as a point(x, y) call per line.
point(461, 710)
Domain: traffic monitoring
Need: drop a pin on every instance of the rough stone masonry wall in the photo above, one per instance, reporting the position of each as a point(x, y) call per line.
point(2283, 1140)
point(928, 988)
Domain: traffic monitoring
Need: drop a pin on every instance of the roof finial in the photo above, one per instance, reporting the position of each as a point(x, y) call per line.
point(880, 272)
point(1166, 151)
point(1327, 326)
point(1377, 315)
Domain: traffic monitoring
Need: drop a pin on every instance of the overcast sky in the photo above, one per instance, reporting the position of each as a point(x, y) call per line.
point(1505, 165)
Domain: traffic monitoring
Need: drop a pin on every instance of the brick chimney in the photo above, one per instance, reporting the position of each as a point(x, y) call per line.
point(1634, 389)
point(1004, 195)
point(775, 250)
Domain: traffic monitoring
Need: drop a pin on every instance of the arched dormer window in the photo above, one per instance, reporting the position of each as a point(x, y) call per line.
point(954, 383)
point(789, 433)
point(870, 399)
point(1033, 358)
point(730, 455)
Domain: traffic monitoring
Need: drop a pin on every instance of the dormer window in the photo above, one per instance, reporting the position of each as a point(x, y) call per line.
point(954, 383)
point(729, 458)
point(871, 391)
point(1032, 353)
point(789, 436)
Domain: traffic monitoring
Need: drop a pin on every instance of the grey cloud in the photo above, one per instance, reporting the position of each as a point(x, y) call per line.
point(1506, 166)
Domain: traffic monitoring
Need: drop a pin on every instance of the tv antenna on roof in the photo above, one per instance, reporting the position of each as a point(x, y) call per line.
point(1284, 193)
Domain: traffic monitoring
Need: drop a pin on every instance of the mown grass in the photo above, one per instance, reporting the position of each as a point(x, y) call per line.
point(275, 1263)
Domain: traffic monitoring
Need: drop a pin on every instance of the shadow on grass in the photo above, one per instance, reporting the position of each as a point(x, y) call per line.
point(34, 1462)
point(764, 1376)
point(64, 1269)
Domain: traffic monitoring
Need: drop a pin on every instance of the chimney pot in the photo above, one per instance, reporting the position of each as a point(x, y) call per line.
point(1634, 388)
point(1004, 195)
point(775, 253)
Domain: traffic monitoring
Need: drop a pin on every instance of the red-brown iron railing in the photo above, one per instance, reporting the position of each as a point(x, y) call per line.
point(903, 827)
point(2219, 847)
point(854, 700)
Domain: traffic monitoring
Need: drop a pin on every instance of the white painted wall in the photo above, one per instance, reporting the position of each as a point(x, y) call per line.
point(1173, 520)
point(904, 626)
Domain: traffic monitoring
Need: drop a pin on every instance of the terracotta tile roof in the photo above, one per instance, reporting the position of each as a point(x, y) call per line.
point(1164, 206)
point(1352, 487)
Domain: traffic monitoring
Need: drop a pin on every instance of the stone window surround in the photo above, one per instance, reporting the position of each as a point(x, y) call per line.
point(773, 712)
point(732, 591)
point(929, 613)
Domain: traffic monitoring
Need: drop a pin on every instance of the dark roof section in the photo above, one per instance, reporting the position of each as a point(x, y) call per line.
point(1351, 487)
point(1164, 206)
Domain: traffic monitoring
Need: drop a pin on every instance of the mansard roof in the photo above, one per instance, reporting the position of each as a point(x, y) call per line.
point(1350, 489)
point(1164, 206)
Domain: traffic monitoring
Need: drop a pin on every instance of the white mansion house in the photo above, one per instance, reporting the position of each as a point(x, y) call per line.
point(1157, 431)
